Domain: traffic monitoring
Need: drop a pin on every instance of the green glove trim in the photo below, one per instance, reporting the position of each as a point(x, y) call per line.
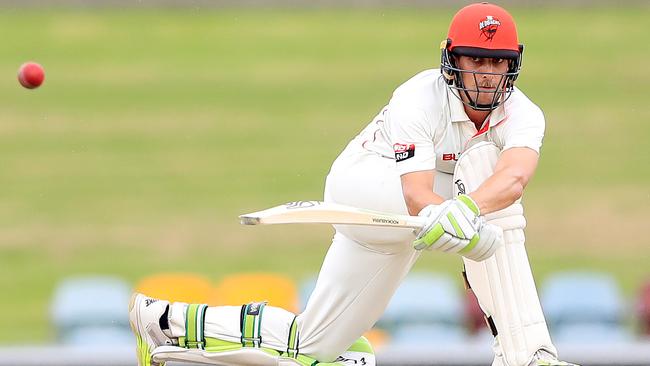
point(469, 202)
point(431, 236)
point(471, 245)
point(454, 223)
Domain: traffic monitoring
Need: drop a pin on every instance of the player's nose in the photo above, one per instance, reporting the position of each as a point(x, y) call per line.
point(489, 66)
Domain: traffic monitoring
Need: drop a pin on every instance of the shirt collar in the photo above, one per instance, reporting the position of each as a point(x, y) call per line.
point(498, 115)
point(457, 110)
point(456, 107)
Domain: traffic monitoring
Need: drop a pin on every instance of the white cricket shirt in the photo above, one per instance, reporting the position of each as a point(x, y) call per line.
point(425, 127)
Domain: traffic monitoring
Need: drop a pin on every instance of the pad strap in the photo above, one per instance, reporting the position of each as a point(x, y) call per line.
point(194, 327)
point(251, 324)
point(293, 342)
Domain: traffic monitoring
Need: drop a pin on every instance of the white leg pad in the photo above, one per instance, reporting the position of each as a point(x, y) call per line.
point(504, 284)
point(223, 323)
point(250, 357)
point(238, 357)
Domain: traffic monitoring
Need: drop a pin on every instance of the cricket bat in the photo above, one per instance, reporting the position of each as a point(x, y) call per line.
point(317, 212)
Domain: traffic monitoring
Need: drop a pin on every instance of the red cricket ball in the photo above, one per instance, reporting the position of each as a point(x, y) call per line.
point(31, 75)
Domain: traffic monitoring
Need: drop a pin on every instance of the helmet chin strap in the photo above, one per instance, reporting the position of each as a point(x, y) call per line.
point(473, 104)
point(479, 107)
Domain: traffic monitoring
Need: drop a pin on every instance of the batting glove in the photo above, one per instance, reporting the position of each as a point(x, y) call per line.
point(455, 226)
point(490, 239)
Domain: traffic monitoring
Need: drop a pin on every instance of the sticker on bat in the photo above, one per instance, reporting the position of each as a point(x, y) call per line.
point(301, 204)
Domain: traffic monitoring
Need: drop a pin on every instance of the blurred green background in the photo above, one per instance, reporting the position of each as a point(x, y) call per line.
point(155, 128)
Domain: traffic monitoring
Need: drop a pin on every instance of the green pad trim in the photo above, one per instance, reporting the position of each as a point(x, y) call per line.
point(360, 345)
point(218, 345)
point(251, 324)
point(194, 323)
point(292, 342)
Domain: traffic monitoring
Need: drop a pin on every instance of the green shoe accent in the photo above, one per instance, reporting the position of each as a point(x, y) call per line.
point(362, 345)
point(142, 348)
point(144, 354)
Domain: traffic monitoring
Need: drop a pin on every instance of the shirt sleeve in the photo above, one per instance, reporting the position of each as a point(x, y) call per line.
point(525, 130)
point(411, 136)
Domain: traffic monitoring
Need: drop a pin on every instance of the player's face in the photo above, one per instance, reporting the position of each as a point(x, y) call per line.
point(486, 81)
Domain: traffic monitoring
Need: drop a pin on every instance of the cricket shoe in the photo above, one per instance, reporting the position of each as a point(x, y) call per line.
point(144, 316)
point(543, 358)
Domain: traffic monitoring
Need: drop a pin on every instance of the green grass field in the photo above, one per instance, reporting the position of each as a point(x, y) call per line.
point(156, 128)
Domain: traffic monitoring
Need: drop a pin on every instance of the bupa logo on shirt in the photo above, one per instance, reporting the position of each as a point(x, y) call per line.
point(404, 151)
point(448, 157)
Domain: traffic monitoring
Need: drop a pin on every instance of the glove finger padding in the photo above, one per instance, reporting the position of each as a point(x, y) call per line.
point(444, 241)
point(490, 239)
point(453, 226)
point(449, 243)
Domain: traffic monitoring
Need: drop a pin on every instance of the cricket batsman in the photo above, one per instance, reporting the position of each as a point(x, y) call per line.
point(457, 145)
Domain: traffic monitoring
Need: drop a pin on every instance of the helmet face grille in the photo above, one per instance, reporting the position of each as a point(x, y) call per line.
point(481, 30)
point(454, 77)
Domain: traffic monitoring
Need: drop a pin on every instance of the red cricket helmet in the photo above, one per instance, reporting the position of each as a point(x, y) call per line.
point(482, 30)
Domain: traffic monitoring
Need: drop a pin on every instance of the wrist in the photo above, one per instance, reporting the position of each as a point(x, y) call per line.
point(433, 210)
point(427, 210)
point(470, 203)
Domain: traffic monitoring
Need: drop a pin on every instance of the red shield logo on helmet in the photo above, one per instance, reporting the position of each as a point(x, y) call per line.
point(489, 27)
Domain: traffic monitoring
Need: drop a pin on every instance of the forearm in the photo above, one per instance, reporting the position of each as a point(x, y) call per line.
point(514, 169)
point(499, 191)
point(417, 188)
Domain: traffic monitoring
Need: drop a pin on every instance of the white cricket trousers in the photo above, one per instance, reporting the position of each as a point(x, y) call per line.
point(364, 265)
